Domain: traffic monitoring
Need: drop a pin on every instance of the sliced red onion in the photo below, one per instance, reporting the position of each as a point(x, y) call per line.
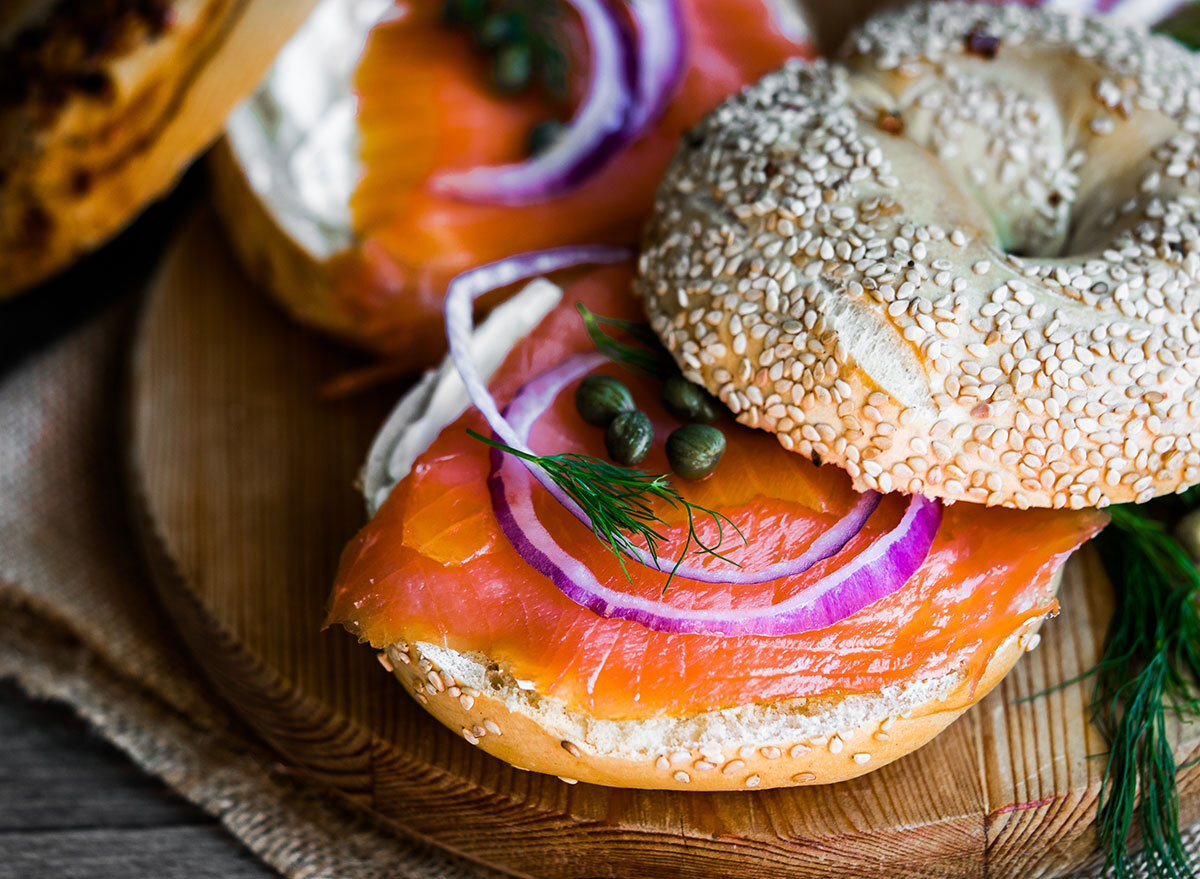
point(511, 492)
point(661, 51)
point(598, 130)
point(878, 571)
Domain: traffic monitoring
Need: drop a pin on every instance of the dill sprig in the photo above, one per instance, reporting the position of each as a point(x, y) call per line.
point(1151, 660)
point(651, 359)
point(1150, 668)
point(619, 503)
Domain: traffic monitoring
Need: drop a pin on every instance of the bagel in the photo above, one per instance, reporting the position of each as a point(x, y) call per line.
point(102, 105)
point(759, 745)
point(326, 190)
point(962, 261)
point(485, 643)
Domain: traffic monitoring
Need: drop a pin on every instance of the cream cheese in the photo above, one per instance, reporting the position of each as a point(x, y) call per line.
point(296, 137)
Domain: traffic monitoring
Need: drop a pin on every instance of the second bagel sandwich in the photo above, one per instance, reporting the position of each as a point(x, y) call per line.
point(914, 318)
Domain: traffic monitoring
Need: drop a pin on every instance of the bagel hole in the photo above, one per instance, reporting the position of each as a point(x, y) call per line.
point(1064, 248)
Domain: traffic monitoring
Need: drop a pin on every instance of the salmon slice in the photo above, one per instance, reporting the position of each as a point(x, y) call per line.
point(425, 106)
point(434, 566)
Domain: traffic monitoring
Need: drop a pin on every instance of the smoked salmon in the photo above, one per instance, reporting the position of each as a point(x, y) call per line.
point(425, 107)
point(434, 566)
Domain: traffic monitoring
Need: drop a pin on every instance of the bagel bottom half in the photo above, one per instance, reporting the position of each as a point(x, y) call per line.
point(816, 740)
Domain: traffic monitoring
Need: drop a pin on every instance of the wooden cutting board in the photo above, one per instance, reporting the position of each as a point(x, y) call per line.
point(244, 483)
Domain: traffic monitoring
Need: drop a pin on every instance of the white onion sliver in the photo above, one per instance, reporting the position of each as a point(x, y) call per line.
point(599, 128)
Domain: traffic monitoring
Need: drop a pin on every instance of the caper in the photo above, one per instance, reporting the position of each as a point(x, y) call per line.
point(629, 436)
point(512, 68)
point(601, 398)
point(500, 28)
point(694, 450)
point(468, 12)
point(543, 135)
point(688, 401)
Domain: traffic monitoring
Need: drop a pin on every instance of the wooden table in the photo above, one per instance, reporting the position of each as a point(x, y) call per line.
point(72, 806)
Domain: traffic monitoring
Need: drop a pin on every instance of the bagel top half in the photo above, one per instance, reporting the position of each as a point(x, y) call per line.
point(961, 262)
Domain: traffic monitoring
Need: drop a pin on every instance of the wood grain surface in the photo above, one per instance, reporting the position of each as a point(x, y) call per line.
point(72, 806)
point(245, 481)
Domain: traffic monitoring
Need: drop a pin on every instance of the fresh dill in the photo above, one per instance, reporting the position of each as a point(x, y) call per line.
point(651, 358)
point(619, 503)
point(1150, 667)
point(1149, 670)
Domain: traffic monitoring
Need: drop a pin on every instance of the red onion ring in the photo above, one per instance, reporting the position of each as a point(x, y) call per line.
point(599, 128)
point(661, 51)
point(511, 492)
point(878, 571)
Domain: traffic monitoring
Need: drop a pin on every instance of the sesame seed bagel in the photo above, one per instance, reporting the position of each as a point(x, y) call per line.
point(961, 262)
point(805, 738)
point(795, 742)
